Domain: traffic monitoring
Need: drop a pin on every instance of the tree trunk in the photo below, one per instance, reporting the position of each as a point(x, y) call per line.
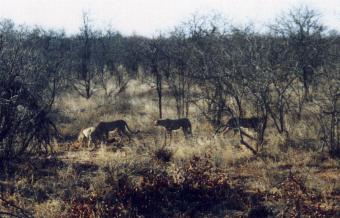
point(159, 90)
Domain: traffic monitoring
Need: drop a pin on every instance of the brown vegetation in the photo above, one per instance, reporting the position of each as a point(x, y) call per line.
point(52, 86)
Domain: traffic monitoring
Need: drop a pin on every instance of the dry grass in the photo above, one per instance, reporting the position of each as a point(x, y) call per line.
point(79, 182)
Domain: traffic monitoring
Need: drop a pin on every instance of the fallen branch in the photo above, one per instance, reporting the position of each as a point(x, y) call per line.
point(23, 212)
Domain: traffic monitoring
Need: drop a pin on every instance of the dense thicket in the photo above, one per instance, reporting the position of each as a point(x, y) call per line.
point(30, 67)
point(221, 69)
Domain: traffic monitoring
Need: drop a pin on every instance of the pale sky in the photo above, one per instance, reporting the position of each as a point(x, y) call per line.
point(149, 17)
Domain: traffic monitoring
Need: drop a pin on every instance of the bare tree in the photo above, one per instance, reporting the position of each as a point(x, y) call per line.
point(83, 65)
point(329, 99)
point(303, 30)
point(28, 86)
point(179, 72)
point(155, 62)
point(156, 71)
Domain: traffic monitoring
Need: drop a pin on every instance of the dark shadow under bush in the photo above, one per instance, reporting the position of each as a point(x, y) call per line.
point(201, 189)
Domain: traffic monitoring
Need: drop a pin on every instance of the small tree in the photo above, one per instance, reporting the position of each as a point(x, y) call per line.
point(84, 54)
point(178, 71)
point(27, 89)
point(329, 99)
point(303, 30)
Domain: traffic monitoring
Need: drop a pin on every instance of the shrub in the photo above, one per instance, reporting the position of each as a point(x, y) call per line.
point(24, 121)
point(158, 194)
point(164, 154)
